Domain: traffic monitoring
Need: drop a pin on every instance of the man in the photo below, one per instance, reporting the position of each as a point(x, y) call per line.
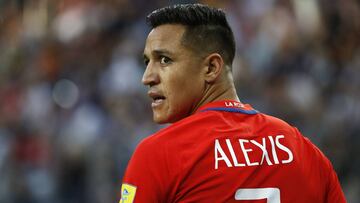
point(217, 149)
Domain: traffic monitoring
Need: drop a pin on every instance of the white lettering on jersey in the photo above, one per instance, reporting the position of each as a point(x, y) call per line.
point(276, 160)
point(282, 147)
point(248, 147)
point(223, 157)
point(233, 156)
point(234, 104)
point(263, 148)
point(245, 152)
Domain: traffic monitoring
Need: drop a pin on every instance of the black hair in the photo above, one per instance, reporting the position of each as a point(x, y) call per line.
point(207, 29)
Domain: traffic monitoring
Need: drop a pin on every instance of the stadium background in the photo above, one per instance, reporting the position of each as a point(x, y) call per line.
point(72, 107)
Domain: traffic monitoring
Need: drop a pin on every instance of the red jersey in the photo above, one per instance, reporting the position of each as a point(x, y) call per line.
point(229, 152)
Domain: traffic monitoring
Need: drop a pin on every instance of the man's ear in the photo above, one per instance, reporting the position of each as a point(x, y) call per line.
point(213, 67)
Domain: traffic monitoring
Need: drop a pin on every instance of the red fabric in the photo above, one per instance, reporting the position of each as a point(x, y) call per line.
point(191, 160)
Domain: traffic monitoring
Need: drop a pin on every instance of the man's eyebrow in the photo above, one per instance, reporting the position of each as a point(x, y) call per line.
point(157, 52)
point(161, 52)
point(145, 57)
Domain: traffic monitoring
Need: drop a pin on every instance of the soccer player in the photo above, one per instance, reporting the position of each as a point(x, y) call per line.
point(217, 148)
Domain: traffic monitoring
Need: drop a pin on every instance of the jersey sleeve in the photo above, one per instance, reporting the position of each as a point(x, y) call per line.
point(335, 193)
point(147, 175)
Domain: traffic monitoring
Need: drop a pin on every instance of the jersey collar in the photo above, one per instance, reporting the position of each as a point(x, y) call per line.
point(228, 106)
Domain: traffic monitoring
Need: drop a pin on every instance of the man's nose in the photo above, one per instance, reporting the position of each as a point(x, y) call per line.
point(150, 77)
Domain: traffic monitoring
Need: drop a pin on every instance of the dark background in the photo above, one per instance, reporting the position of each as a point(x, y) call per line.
point(72, 107)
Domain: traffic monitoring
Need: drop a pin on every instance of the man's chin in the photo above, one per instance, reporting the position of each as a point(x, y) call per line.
point(159, 119)
point(163, 119)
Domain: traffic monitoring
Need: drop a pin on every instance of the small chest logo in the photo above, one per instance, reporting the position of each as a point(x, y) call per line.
point(127, 193)
point(234, 104)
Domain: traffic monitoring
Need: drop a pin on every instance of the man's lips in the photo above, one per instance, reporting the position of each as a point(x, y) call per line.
point(157, 98)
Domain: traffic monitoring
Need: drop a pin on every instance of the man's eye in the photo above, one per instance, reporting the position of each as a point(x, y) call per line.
point(146, 62)
point(164, 60)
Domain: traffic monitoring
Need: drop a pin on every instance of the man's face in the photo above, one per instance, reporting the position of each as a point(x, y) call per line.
point(173, 73)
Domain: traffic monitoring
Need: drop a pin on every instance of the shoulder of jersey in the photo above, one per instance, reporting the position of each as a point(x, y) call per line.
point(200, 121)
point(275, 121)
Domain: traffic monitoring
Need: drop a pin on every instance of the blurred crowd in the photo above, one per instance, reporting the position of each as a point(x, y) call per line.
point(72, 106)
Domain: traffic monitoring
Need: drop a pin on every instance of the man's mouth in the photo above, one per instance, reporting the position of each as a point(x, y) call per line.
point(157, 98)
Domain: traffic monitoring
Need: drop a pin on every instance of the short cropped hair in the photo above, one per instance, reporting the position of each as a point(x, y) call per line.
point(207, 30)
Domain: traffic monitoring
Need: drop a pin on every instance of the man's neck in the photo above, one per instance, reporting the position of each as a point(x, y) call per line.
point(217, 92)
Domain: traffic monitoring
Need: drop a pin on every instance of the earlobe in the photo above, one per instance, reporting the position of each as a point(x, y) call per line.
point(214, 65)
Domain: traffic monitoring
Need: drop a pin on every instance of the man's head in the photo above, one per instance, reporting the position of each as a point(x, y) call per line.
point(206, 29)
point(186, 52)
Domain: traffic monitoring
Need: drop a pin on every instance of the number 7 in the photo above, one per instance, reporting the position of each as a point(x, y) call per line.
point(271, 194)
